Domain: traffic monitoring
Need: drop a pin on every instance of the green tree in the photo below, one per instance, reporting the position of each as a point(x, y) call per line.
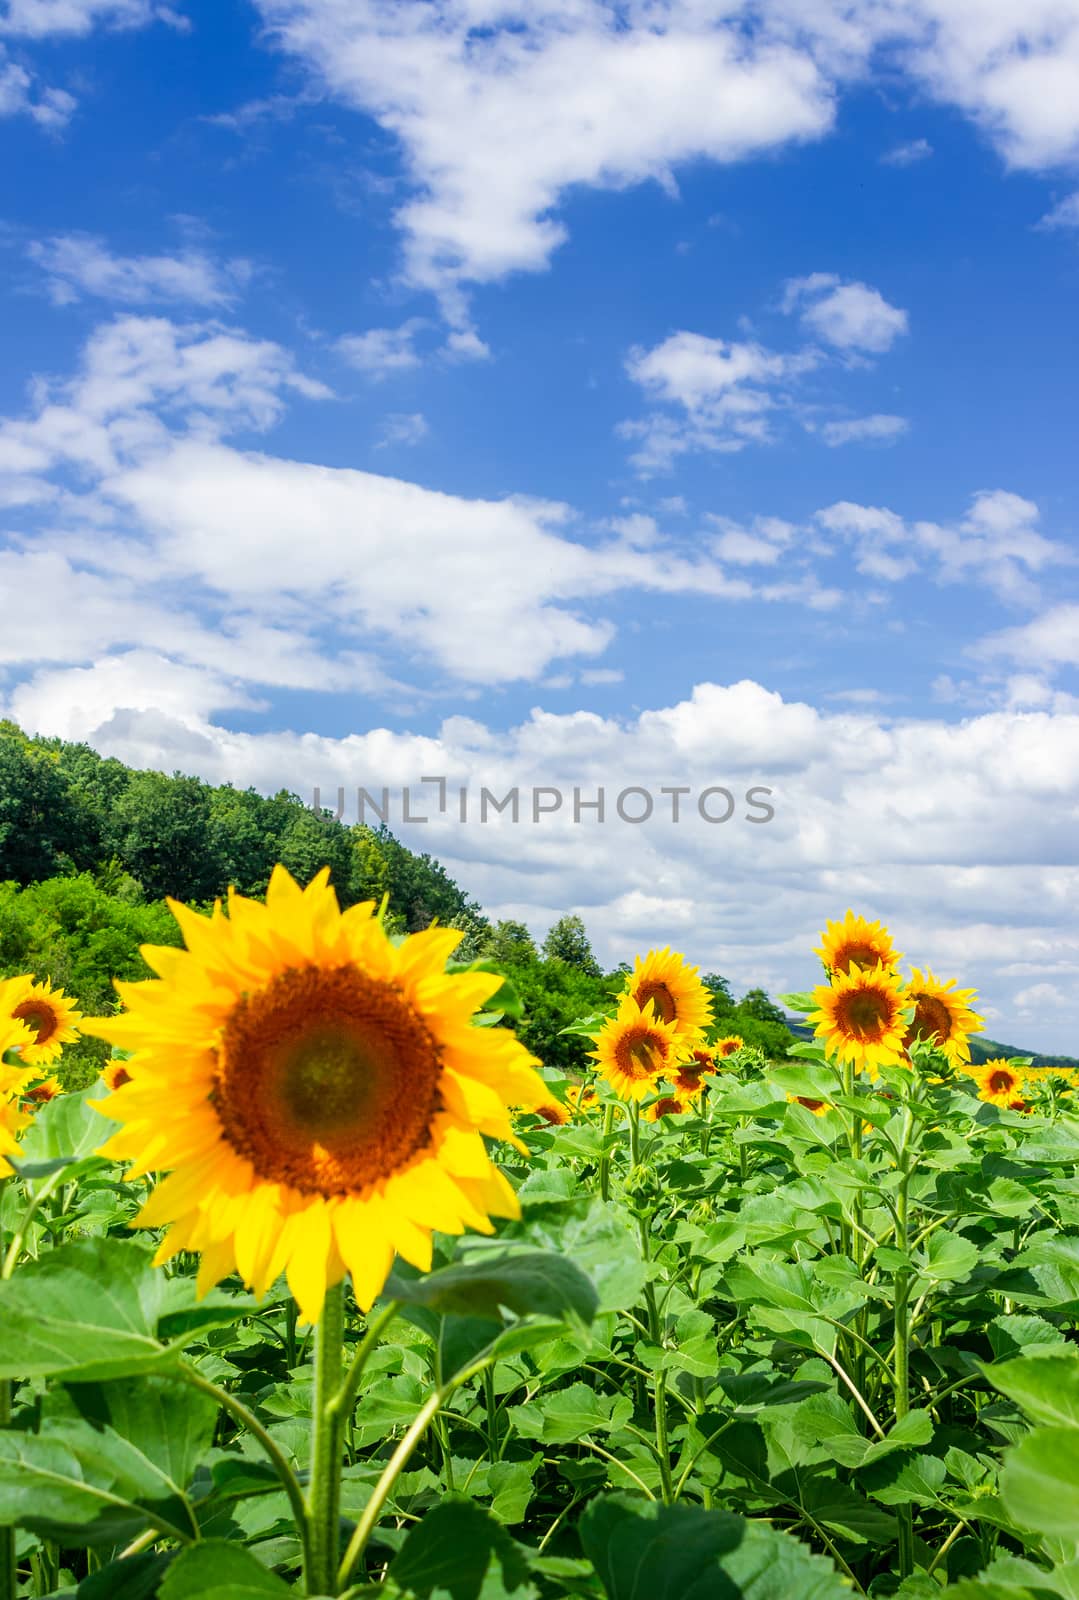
point(567, 941)
point(720, 990)
point(165, 840)
point(309, 842)
point(43, 827)
point(756, 1003)
point(509, 944)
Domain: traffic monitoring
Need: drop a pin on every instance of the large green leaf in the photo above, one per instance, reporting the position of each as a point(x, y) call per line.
point(523, 1282)
point(452, 1549)
point(168, 1422)
point(1040, 1481)
point(1045, 1387)
point(97, 1309)
point(642, 1550)
point(569, 1414)
point(216, 1569)
point(64, 1135)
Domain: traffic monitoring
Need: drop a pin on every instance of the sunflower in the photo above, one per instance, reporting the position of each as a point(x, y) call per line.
point(662, 980)
point(13, 1120)
point(728, 1046)
point(317, 1090)
point(49, 1015)
point(635, 1049)
point(670, 1105)
point(998, 1082)
point(14, 1037)
point(553, 1112)
point(39, 1094)
point(688, 1079)
point(818, 1107)
point(856, 942)
point(860, 1017)
point(942, 1016)
point(581, 1099)
point(115, 1074)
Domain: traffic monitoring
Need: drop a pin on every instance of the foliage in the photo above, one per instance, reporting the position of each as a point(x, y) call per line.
point(567, 941)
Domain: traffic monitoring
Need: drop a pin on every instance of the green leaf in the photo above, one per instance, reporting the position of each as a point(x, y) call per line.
point(168, 1422)
point(948, 1257)
point(1016, 1335)
point(86, 1310)
point(642, 1550)
point(802, 1002)
point(86, 1486)
point(1040, 1481)
point(916, 1481)
point(1045, 1387)
point(451, 1550)
point(65, 1133)
point(569, 1414)
point(217, 1569)
point(524, 1282)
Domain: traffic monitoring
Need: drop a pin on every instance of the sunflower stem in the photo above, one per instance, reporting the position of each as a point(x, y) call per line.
point(902, 1335)
point(9, 1580)
point(324, 1493)
point(605, 1158)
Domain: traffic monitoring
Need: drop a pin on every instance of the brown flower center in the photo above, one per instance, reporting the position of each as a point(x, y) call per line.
point(932, 1019)
point(327, 1080)
point(40, 1016)
point(856, 955)
point(865, 1013)
point(728, 1046)
point(810, 1105)
point(662, 1000)
point(120, 1076)
point(641, 1052)
point(1001, 1082)
point(40, 1093)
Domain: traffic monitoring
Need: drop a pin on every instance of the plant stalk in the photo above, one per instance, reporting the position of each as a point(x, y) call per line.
point(324, 1493)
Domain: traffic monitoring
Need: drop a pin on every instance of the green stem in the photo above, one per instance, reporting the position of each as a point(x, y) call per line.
point(324, 1492)
point(247, 1419)
point(8, 1572)
point(905, 1515)
point(491, 1402)
point(605, 1158)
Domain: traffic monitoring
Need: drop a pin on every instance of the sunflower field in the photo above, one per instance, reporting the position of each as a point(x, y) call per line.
point(328, 1287)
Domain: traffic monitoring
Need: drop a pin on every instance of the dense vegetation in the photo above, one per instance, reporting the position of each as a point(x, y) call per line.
point(89, 848)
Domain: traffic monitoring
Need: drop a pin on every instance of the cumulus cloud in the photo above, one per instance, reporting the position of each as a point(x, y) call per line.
point(1050, 640)
point(41, 19)
point(880, 428)
point(849, 316)
point(22, 95)
point(961, 835)
point(381, 351)
point(79, 264)
point(907, 155)
point(500, 110)
point(1065, 214)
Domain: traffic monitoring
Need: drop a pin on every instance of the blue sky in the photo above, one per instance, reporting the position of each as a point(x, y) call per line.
point(669, 391)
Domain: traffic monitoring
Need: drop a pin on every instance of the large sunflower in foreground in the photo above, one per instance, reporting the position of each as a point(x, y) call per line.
point(855, 942)
point(47, 1012)
point(662, 983)
point(942, 1016)
point(860, 1017)
point(317, 1090)
point(998, 1082)
point(634, 1049)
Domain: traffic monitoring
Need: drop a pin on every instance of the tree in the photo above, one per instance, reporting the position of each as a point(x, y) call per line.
point(509, 944)
point(165, 839)
point(567, 941)
point(720, 990)
point(43, 828)
point(310, 842)
point(755, 1003)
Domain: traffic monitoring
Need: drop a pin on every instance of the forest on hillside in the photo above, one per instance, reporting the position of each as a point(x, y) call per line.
point(90, 848)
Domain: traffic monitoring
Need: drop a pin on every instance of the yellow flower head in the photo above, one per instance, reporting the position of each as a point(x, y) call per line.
point(728, 1046)
point(671, 1105)
point(818, 1107)
point(859, 1017)
point(14, 1037)
point(635, 1049)
point(50, 1017)
point(553, 1112)
point(662, 983)
point(115, 1074)
point(581, 1099)
point(688, 1078)
point(12, 1117)
point(999, 1082)
point(942, 1015)
point(39, 1094)
point(856, 942)
point(317, 1091)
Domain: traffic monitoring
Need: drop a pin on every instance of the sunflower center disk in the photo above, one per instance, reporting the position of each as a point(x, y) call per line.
point(327, 1080)
point(1001, 1082)
point(858, 955)
point(42, 1019)
point(662, 1000)
point(864, 1013)
point(932, 1019)
point(640, 1054)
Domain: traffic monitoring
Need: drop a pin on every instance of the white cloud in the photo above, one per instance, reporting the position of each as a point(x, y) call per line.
point(78, 264)
point(849, 316)
point(1065, 214)
point(403, 427)
point(996, 544)
point(1050, 640)
point(40, 19)
point(880, 428)
point(959, 834)
point(907, 155)
point(502, 107)
point(761, 544)
point(20, 95)
point(381, 351)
